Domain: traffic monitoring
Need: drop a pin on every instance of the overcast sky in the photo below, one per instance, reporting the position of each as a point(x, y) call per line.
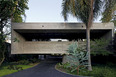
point(46, 11)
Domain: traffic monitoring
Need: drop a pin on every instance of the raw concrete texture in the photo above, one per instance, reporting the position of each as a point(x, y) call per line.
point(48, 47)
point(60, 26)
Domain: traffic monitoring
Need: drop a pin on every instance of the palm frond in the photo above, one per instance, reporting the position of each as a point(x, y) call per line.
point(97, 8)
point(81, 9)
point(108, 13)
point(66, 8)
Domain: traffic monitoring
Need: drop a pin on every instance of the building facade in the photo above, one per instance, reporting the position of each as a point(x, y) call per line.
point(53, 38)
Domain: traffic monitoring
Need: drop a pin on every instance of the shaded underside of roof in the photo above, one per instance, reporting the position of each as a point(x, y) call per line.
point(60, 34)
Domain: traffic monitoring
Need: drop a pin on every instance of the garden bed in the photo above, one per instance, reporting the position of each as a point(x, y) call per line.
point(9, 68)
point(99, 70)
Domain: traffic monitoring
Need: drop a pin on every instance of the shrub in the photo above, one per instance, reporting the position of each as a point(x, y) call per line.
point(78, 59)
point(34, 60)
point(64, 65)
point(99, 47)
point(23, 62)
point(14, 67)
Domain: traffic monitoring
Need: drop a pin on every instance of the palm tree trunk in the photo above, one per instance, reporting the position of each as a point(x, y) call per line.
point(88, 26)
point(88, 48)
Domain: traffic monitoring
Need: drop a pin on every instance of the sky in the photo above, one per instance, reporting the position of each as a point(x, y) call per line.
point(46, 11)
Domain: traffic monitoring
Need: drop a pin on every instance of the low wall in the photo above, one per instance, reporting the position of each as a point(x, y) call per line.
point(38, 47)
point(46, 47)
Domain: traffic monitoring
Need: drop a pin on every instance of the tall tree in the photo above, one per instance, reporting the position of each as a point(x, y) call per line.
point(10, 10)
point(86, 11)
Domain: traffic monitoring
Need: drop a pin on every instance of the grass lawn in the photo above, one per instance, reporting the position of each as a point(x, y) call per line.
point(108, 70)
point(5, 71)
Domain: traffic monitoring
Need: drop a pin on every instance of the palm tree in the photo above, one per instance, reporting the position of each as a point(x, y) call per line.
point(86, 11)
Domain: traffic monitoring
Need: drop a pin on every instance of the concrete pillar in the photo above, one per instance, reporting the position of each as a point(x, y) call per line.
point(65, 59)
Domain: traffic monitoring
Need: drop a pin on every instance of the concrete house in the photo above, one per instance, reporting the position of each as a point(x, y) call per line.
point(45, 38)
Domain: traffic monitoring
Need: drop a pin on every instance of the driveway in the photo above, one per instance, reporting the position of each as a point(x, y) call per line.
point(44, 69)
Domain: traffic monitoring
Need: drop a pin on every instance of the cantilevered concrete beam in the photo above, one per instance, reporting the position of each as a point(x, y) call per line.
point(23, 33)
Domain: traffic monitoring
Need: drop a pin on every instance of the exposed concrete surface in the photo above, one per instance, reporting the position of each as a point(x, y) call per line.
point(19, 30)
point(17, 42)
point(46, 47)
point(60, 26)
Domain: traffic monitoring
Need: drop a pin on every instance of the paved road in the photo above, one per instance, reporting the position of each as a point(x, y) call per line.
point(44, 69)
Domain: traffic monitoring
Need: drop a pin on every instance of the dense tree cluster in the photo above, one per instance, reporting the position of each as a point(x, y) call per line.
point(10, 10)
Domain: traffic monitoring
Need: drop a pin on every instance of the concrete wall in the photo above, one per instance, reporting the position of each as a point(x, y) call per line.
point(17, 46)
point(60, 26)
point(36, 47)
point(45, 47)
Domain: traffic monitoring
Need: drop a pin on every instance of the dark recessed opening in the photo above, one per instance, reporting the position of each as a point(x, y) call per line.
point(46, 35)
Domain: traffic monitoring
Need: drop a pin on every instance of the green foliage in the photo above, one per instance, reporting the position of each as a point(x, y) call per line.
point(59, 64)
point(109, 11)
point(16, 40)
point(5, 71)
point(26, 62)
point(64, 65)
point(99, 47)
point(10, 10)
point(13, 9)
point(87, 11)
point(78, 59)
point(14, 67)
point(114, 21)
point(34, 60)
point(80, 9)
point(99, 70)
point(23, 62)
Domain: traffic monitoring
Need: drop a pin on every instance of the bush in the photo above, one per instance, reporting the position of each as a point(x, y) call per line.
point(78, 59)
point(64, 65)
point(99, 47)
point(99, 70)
point(23, 62)
point(14, 67)
point(34, 60)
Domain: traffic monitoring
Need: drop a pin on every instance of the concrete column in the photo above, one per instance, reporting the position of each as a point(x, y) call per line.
point(65, 59)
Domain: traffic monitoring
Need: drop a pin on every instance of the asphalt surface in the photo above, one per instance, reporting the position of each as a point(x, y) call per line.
point(44, 69)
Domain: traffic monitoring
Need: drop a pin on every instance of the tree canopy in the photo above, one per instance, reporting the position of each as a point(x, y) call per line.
point(13, 8)
point(10, 10)
point(87, 11)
